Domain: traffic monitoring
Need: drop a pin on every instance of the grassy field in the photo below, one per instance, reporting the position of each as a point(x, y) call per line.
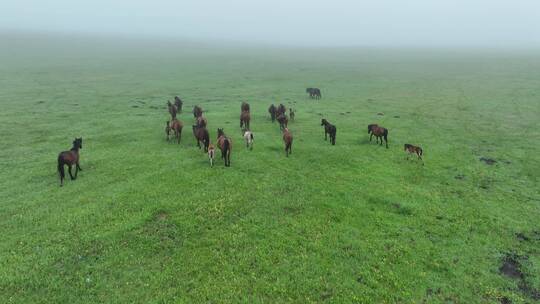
point(150, 222)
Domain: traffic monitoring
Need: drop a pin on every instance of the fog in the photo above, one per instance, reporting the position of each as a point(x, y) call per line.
point(499, 23)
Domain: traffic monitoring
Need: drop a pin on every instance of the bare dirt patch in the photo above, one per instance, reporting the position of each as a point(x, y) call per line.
point(511, 267)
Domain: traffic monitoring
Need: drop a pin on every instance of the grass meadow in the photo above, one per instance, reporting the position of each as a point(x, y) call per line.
point(149, 221)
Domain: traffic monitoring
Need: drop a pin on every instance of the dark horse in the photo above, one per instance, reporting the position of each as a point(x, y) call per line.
point(314, 93)
point(245, 117)
point(283, 121)
point(225, 145)
point(244, 107)
point(201, 122)
point(272, 111)
point(201, 135)
point(69, 158)
point(280, 110)
point(379, 133)
point(197, 111)
point(172, 109)
point(178, 103)
point(329, 129)
point(287, 139)
point(176, 127)
point(291, 114)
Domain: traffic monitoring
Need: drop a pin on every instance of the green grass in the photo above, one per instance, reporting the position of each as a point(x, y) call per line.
point(150, 222)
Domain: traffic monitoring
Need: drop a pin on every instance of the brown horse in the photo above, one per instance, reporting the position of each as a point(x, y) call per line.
point(281, 110)
point(178, 103)
point(244, 107)
point(291, 114)
point(225, 145)
point(329, 129)
point(70, 158)
point(172, 109)
point(176, 127)
point(411, 149)
point(283, 121)
point(201, 135)
point(379, 133)
point(197, 111)
point(272, 110)
point(245, 117)
point(287, 139)
point(201, 122)
point(168, 129)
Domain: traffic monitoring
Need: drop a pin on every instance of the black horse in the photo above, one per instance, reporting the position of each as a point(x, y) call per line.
point(70, 158)
point(329, 129)
point(178, 103)
point(314, 93)
point(272, 111)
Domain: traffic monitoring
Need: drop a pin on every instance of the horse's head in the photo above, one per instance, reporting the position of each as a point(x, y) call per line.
point(77, 143)
point(323, 122)
point(220, 132)
point(370, 127)
point(308, 90)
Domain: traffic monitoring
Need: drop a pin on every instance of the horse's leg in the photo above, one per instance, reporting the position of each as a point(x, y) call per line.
point(69, 171)
point(370, 136)
point(79, 167)
point(76, 170)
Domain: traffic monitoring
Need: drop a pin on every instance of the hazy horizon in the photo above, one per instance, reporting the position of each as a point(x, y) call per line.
point(339, 23)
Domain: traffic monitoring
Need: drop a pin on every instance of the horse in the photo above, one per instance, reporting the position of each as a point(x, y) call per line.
point(178, 103)
point(172, 109)
point(248, 137)
point(291, 114)
point(281, 110)
point(245, 117)
point(411, 149)
point(272, 111)
point(283, 121)
point(201, 135)
point(167, 129)
point(225, 145)
point(197, 111)
point(287, 139)
point(201, 122)
point(244, 107)
point(70, 158)
point(379, 133)
point(176, 127)
point(314, 93)
point(211, 154)
point(329, 129)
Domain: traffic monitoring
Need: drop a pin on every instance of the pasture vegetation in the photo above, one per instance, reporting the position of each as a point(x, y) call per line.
point(149, 221)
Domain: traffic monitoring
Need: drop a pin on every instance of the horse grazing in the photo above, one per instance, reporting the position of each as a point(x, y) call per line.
point(172, 109)
point(329, 129)
point(283, 121)
point(167, 129)
point(411, 149)
point(244, 107)
point(245, 117)
point(291, 114)
point(69, 158)
point(201, 122)
point(211, 154)
point(272, 110)
point(201, 135)
point(178, 103)
point(225, 145)
point(287, 139)
point(379, 133)
point(314, 93)
point(176, 127)
point(197, 111)
point(248, 137)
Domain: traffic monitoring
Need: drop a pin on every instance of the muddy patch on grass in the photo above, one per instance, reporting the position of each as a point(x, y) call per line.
point(459, 176)
point(154, 107)
point(505, 300)
point(134, 106)
point(511, 266)
point(528, 290)
point(397, 116)
point(402, 210)
point(522, 237)
point(488, 161)
point(380, 114)
point(341, 113)
point(40, 102)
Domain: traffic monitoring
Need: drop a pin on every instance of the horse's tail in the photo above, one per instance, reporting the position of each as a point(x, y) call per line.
point(61, 168)
point(420, 151)
point(251, 135)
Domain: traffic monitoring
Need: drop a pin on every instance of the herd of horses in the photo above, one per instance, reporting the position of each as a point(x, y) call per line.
point(173, 130)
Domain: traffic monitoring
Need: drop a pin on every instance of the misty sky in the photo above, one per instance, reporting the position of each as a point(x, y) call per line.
point(290, 22)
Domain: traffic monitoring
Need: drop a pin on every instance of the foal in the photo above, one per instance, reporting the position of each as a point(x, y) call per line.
point(211, 154)
point(287, 139)
point(411, 149)
point(245, 117)
point(379, 133)
point(69, 158)
point(329, 129)
point(176, 127)
point(248, 137)
point(225, 145)
point(283, 121)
